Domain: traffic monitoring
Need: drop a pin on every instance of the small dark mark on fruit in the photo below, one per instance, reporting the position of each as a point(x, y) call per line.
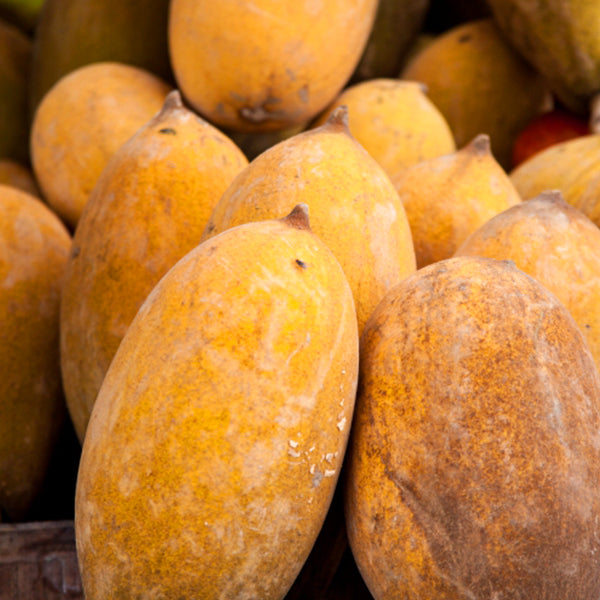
point(168, 130)
point(301, 264)
point(464, 38)
point(75, 251)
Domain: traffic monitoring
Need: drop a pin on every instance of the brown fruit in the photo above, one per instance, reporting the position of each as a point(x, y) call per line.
point(474, 462)
point(148, 208)
point(15, 58)
point(79, 124)
point(218, 435)
point(448, 197)
point(556, 244)
point(34, 246)
point(265, 65)
point(354, 207)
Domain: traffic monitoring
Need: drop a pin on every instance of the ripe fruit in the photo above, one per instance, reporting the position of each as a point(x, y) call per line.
point(448, 197)
point(81, 121)
point(474, 463)
point(74, 33)
point(480, 84)
point(218, 435)
point(545, 130)
point(148, 208)
point(556, 244)
point(557, 167)
point(394, 121)
point(34, 246)
point(265, 65)
point(354, 207)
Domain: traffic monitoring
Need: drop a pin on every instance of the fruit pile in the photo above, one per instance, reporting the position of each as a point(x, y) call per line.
point(302, 299)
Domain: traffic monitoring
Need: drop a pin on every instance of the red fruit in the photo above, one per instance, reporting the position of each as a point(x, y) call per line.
point(546, 130)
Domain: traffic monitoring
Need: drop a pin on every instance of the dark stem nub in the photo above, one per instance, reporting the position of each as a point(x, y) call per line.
point(338, 119)
point(298, 218)
point(480, 145)
point(172, 101)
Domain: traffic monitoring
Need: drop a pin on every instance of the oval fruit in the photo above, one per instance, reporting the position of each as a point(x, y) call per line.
point(395, 122)
point(265, 65)
point(556, 244)
point(147, 209)
point(80, 123)
point(480, 84)
point(448, 197)
point(474, 463)
point(223, 420)
point(72, 33)
point(558, 167)
point(354, 207)
point(34, 246)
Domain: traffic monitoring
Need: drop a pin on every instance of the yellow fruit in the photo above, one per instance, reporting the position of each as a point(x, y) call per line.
point(480, 84)
point(557, 167)
point(18, 175)
point(148, 208)
point(218, 435)
point(15, 57)
point(474, 463)
point(395, 122)
point(268, 64)
point(354, 207)
point(79, 124)
point(74, 33)
point(448, 197)
point(556, 244)
point(34, 246)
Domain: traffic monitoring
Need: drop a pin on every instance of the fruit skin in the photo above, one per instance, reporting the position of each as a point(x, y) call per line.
point(448, 197)
point(553, 127)
point(395, 29)
point(473, 466)
point(223, 420)
point(354, 207)
point(82, 120)
point(34, 246)
point(15, 56)
point(18, 175)
point(556, 244)
point(252, 66)
point(560, 39)
point(480, 84)
point(148, 208)
point(394, 121)
point(558, 167)
point(73, 33)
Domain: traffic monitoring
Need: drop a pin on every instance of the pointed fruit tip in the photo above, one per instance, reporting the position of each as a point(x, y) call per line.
point(298, 218)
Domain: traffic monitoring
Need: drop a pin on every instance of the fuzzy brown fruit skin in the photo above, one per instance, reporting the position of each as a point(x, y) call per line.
point(34, 246)
point(556, 244)
point(222, 422)
point(473, 467)
point(266, 65)
point(147, 209)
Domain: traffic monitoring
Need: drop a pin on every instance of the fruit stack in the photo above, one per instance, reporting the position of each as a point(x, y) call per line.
point(300, 300)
